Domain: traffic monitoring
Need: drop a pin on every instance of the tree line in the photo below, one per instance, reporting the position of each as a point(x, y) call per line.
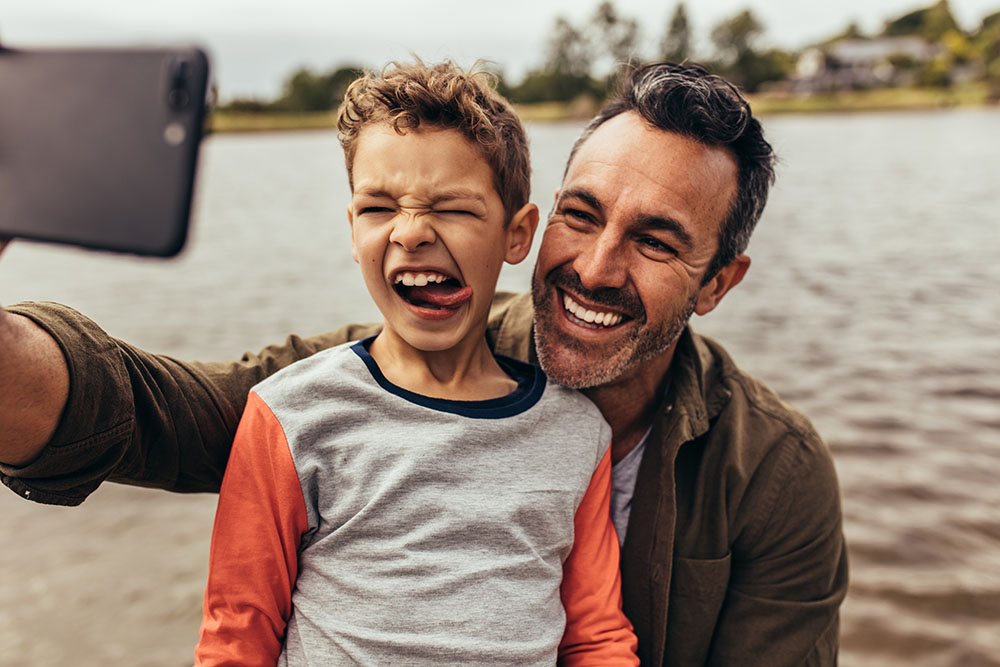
point(584, 59)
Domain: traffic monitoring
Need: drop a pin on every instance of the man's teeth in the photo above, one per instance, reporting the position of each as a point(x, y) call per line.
point(590, 316)
point(411, 279)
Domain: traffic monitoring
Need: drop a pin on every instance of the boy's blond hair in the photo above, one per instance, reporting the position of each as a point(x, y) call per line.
point(408, 95)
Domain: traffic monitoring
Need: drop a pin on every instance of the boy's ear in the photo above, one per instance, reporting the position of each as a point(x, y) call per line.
point(520, 233)
point(350, 221)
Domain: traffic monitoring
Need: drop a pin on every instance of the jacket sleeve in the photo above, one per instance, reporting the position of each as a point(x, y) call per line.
point(254, 556)
point(789, 568)
point(142, 418)
point(597, 631)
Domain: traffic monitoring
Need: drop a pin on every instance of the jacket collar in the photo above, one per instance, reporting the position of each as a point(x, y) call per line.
point(696, 393)
point(647, 556)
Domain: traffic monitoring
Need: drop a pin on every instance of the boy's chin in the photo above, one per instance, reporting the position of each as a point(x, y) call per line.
point(433, 339)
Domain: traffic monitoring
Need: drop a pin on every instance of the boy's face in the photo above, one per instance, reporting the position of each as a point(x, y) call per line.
point(427, 228)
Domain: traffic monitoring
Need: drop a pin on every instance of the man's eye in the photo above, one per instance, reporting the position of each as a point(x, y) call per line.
point(577, 214)
point(374, 209)
point(654, 244)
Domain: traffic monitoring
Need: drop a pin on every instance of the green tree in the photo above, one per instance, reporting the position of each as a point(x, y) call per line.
point(567, 51)
point(735, 38)
point(566, 72)
point(676, 42)
point(306, 90)
point(986, 42)
point(930, 23)
point(617, 35)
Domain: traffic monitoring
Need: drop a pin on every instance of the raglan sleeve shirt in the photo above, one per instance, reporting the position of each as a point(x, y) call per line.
point(597, 631)
point(260, 523)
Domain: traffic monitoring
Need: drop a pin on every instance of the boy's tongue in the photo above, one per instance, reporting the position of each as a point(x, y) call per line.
point(439, 295)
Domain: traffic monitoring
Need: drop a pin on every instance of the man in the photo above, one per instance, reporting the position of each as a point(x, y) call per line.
point(733, 552)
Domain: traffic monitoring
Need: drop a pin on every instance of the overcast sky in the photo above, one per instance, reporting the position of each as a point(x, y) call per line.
point(255, 44)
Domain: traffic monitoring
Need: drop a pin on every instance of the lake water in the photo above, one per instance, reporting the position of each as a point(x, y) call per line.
point(872, 305)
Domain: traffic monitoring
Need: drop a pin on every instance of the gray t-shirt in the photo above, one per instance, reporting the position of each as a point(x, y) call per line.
point(623, 476)
point(437, 529)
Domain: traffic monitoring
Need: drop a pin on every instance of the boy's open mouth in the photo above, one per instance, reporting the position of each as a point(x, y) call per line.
point(429, 289)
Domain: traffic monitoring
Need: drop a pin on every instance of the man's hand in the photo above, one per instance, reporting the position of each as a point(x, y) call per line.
point(34, 386)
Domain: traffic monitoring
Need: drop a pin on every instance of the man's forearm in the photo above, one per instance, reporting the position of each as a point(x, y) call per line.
point(129, 415)
point(34, 386)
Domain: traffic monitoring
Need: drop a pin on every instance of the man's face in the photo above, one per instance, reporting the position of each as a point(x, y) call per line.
point(427, 228)
point(619, 271)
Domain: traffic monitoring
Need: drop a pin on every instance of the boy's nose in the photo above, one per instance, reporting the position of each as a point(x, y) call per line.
point(412, 230)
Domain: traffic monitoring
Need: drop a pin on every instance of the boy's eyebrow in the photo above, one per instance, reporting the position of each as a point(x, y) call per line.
point(644, 221)
point(373, 192)
point(447, 195)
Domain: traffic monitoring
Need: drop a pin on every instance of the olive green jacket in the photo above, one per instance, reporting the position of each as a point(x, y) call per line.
point(734, 553)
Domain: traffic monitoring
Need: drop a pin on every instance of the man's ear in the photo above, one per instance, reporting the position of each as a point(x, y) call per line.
point(350, 221)
point(726, 279)
point(520, 233)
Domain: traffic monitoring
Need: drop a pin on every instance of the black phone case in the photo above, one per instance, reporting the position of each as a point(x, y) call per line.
point(98, 147)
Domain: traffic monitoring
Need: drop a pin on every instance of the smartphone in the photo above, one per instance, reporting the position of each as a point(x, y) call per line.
point(99, 146)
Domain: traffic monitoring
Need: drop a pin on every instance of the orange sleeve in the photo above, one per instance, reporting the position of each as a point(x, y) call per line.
point(597, 631)
point(254, 556)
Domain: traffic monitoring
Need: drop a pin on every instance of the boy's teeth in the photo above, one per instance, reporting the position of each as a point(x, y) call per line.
point(590, 316)
point(410, 279)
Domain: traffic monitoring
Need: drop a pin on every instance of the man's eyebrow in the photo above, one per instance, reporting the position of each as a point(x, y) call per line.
point(667, 225)
point(644, 221)
point(586, 196)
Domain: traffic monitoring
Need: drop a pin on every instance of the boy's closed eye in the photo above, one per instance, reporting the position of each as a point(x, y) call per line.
point(455, 211)
point(374, 209)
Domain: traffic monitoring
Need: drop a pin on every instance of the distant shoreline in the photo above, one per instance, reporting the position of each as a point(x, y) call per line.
point(764, 104)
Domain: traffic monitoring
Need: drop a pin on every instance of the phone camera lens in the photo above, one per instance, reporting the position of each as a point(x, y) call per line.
point(178, 99)
point(178, 96)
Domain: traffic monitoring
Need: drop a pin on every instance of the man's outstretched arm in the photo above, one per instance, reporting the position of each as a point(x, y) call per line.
point(124, 414)
point(34, 386)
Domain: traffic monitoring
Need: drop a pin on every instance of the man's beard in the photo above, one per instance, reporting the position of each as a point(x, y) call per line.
point(590, 364)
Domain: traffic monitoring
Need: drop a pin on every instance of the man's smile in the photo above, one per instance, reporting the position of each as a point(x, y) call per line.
point(601, 309)
point(590, 317)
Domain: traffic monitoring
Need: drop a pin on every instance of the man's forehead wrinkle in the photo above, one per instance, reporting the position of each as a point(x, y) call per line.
point(634, 168)
point(632, 164)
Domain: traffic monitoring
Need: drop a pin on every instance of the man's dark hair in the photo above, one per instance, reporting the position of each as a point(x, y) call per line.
point(686, 99)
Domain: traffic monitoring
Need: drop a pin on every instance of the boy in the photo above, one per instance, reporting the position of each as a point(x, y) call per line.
point(410, 498)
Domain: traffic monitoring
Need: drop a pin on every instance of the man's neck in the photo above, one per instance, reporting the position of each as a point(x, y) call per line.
point(630, 403)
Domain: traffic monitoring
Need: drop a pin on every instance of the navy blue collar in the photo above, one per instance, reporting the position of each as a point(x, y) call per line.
point(530, 385)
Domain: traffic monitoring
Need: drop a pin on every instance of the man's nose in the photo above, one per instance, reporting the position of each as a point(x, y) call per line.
point(602, 262)
point(412, 230)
